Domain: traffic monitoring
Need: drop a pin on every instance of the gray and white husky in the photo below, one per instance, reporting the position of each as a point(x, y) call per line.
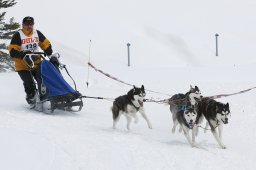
point(216, 114)
point(184, 112)
point(129, 105)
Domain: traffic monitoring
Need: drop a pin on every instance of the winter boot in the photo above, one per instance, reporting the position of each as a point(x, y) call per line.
point(31, 99)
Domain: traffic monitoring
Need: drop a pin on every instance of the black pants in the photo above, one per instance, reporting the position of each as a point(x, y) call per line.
point(28, 81)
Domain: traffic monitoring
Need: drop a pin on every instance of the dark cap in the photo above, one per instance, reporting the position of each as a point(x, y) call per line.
point(28, 20)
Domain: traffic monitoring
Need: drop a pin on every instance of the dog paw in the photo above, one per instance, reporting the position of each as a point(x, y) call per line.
point(193, 145)
point(223, 147)
point(150, 126)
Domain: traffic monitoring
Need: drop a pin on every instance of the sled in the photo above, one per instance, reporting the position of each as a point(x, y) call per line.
point(53, 92)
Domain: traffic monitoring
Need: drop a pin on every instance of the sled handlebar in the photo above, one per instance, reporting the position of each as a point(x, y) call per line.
point(41, 53)
point(31, 57)
point(37, 53)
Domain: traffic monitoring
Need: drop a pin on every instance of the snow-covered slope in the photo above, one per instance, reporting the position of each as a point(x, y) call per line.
point(86, 140)
point(172, 48)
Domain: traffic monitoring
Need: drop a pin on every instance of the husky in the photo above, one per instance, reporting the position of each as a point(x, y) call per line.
point(184, 112)
point(216, 114)
point(129, 105)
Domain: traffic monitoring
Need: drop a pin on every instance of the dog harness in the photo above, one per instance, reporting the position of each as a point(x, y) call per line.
point(120, 104)
point(137, 108)
point(182, 108)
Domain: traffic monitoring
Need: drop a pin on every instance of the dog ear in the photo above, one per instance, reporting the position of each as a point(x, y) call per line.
point(130, 93)
point(190, 88)
point(227, 104)
point(134, 88)
point(142, 87)
point(196, 88)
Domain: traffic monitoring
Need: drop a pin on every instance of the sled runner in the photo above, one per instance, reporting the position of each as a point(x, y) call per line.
point(53, 91)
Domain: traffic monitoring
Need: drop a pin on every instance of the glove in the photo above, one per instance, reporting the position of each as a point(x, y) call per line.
point(54, 60)
point(24, 53)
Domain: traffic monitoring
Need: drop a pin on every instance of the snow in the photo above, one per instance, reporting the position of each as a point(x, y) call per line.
point(172, 48)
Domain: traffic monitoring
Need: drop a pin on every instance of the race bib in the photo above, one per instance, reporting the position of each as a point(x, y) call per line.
point(29, 43)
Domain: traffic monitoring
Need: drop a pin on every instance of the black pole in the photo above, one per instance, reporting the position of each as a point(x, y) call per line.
point(128, 47)
point(216, 37)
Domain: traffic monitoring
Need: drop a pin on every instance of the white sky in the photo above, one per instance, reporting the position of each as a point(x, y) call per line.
point(152, 27)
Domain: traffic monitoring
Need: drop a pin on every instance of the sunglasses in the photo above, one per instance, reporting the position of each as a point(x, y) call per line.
point(28, 24)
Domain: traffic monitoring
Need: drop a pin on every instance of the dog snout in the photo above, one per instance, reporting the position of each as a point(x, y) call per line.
point(191, 121)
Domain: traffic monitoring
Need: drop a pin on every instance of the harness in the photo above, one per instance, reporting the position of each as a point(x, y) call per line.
point(137, 108)
point(217, 124)
point(217, 121)
point(182, 108)
point(121, 106)
point(182, 102)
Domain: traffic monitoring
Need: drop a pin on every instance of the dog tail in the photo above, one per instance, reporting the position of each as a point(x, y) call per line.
point(115, 111)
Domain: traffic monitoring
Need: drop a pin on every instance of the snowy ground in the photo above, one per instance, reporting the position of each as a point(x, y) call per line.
point(172, 48)
point(86, 140)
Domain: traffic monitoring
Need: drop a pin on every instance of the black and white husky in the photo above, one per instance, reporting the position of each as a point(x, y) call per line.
point(184, 112)
point(129, 105)
point(216, 114)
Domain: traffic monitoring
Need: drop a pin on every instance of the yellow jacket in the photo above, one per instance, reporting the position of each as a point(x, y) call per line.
point(16, 53)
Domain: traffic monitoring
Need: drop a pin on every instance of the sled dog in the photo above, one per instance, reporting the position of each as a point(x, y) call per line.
point(216, 114)
point(184, 112)
point(129, 105)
